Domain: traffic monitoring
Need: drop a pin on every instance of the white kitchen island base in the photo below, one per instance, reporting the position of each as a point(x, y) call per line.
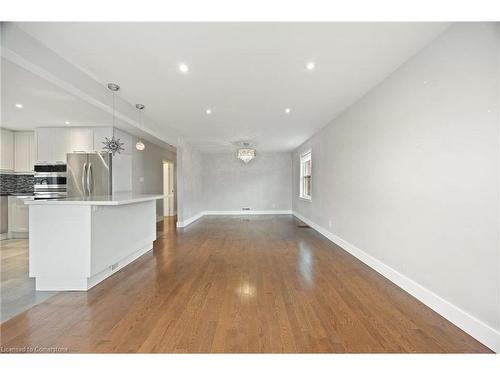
point(75, 244)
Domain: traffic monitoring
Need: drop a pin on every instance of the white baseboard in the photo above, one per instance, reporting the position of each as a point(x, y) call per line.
point(473, 326)
point(82, 283)
point(108, 271)
point(192, 219)
point(14, 235)
point(249, 212)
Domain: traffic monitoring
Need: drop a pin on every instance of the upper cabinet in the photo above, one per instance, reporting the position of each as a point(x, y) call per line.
point(7, 150)
point(24, 152)
point(18, 151)
point(54, 143)
point(81, 140)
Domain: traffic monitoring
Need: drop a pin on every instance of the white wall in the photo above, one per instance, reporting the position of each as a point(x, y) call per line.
point(410, 173)
point(189, 183)
point(262, 184)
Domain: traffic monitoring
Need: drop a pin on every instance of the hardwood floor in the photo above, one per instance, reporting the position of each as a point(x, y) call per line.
point(240, 284)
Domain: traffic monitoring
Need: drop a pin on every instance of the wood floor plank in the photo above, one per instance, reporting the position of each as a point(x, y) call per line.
point(241, 284)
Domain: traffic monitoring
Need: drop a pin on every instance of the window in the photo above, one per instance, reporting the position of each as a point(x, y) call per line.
point(305, 176)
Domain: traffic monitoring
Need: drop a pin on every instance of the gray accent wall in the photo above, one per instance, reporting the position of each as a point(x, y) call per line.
point(147, 170)
point(262, 184)
point(410, 173)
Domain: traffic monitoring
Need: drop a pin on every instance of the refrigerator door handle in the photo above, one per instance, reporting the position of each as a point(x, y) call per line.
point(84, 178)
point(90, 179)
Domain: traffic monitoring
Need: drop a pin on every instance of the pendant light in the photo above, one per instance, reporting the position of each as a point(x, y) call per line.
point(114, 88)
point(113, 145)
point(139, 145)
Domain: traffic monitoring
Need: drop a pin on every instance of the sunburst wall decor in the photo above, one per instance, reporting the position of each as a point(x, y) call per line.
point(113, 145)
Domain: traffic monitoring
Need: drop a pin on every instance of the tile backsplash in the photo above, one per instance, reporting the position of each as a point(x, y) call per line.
point(16, 183)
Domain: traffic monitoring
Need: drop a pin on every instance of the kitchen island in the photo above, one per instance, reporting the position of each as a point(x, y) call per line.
point(75, 243)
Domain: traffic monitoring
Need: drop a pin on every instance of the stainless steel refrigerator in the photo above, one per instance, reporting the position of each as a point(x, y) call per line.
point(89, 174)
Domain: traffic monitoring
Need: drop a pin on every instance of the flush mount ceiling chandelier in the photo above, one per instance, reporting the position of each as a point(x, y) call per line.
point(246, 154)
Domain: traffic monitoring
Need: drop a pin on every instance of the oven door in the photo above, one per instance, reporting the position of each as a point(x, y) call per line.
point(50, 181)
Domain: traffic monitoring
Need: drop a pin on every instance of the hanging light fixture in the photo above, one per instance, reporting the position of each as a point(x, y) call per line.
point(139, 145)
point(113, 145)
point(246, 154)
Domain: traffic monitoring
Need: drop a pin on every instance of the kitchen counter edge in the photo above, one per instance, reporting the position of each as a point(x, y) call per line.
point(113, 200)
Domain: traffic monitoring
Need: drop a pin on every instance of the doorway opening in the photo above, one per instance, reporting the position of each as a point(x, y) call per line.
point(168, 189)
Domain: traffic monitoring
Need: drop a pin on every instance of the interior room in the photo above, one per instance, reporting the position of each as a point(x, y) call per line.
point(250, 187)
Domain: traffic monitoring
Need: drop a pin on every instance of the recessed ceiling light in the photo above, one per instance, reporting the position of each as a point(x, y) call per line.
point(208, 111)
point(18, 105)
point(310, 65)
point(67, 122)
point(287, 110)
point(183, 68)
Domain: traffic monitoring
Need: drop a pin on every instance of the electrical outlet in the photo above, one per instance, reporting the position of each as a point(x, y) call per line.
point(141, 179)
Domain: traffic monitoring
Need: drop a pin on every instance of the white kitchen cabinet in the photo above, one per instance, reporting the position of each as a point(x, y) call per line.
point(32, 146)
point(81, 140)
point(4, 217)
point(7, 150)
point(43, 145)
point(24, 152)
point(18, 217)
point(52, 144)
point(61, 144)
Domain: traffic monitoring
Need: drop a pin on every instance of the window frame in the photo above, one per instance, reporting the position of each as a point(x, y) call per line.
point(304, 158)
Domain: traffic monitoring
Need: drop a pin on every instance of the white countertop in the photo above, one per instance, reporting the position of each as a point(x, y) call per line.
point(103, 200)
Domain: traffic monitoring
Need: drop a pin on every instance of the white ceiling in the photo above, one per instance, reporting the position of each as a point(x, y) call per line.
point(47, 105)
point(247, 73)
point(44, 104)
